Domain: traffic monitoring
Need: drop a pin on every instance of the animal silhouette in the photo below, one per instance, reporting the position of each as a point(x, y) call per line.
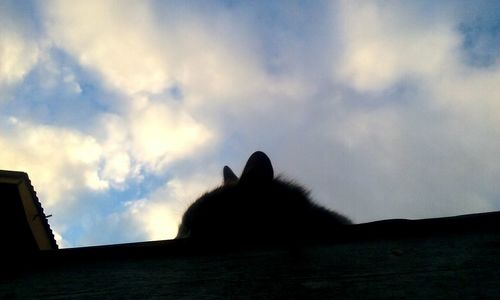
point(258, 207)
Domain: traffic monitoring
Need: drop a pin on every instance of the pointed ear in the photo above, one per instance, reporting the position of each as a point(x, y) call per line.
point(258, 169)
point(229, 176)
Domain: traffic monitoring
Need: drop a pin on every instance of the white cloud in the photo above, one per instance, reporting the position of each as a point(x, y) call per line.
point(155, 217)
point(135, 54)
point(157, 220)
point(118, 165)
point(377, 134)
point(19, 51)
point(113, 37)
point(17, 56)
point(428, 152)
point(61, 242)
point(162, 134)
point(149, 136)
point(383, 43)
point(391, 149)
point(139, 48)
point(59, 161)
point(159, 215)
point(469, 93)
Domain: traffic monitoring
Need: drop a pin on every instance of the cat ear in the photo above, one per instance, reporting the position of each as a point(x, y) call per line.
point(229, 176)
point(258, 169)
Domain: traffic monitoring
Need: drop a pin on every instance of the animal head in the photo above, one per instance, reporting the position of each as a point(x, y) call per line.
point(256, 206)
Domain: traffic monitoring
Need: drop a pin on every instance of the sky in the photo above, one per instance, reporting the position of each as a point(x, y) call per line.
point(124, 112)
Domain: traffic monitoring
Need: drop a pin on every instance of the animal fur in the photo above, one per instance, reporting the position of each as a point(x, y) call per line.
point(258, 207)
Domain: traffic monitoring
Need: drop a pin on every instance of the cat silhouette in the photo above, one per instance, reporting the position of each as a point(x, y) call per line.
point(258, 207)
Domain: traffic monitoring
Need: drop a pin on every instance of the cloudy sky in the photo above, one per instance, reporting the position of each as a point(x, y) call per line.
point(124, 112)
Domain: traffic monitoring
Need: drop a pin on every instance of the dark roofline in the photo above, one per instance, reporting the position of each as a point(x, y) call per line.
point(415, 259)
point(22, 178)
point(393, 229)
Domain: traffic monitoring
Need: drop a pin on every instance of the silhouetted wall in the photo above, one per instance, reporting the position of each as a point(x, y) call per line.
point(449, 258)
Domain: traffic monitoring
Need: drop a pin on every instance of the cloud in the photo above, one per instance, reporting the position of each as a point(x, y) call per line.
point(159, 215)
point(119, 42)
point(374, 106)
point(147, 137)
point(470, 93)
point(66, 165)
point(410, 130)
point(385, 43)
point(134, 54)
point(161, 135)
point(405, 163)
point(17, 56)
point(59, 161)
point(61, 242)
point(19, 51)
point(155, 217)
point(145, 48)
